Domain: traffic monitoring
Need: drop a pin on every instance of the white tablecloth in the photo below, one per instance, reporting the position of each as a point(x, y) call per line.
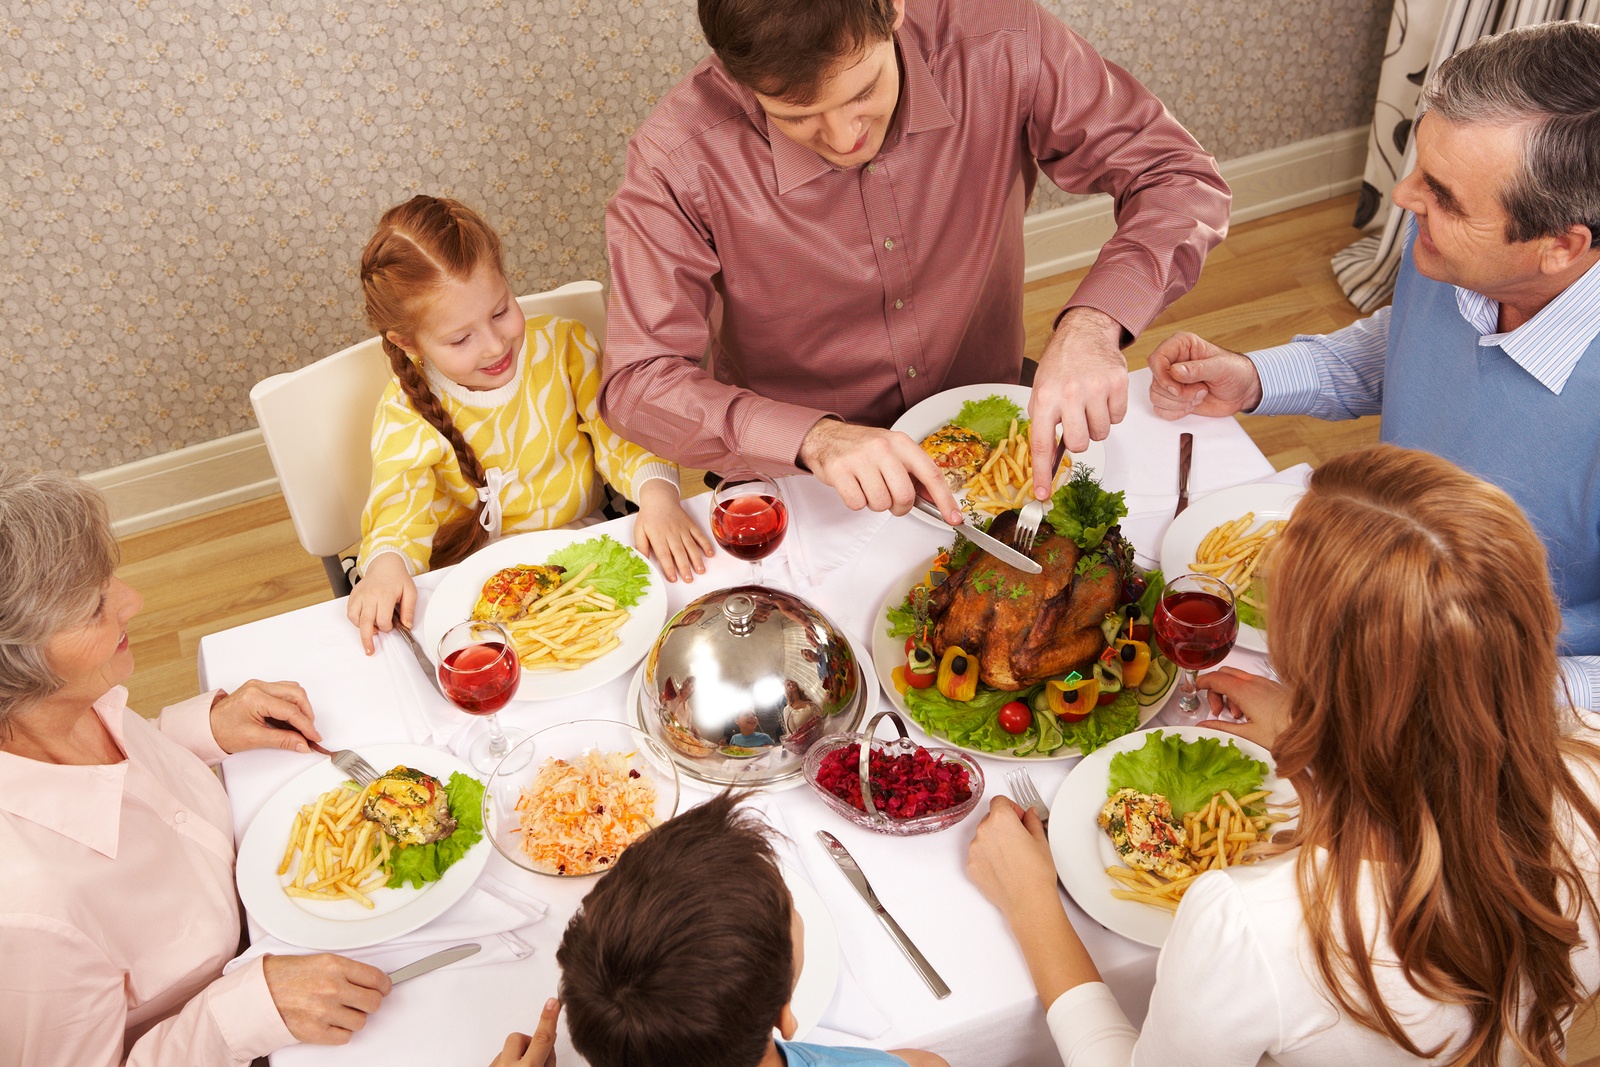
point(992, 1016)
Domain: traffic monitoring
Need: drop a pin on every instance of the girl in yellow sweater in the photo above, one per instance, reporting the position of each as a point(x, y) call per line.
point(491, 425)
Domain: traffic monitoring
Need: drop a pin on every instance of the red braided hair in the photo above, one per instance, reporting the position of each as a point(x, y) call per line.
point(420, 245)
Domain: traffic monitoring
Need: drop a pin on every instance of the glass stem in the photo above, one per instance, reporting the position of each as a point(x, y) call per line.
point(497, 737)
point(1188, 693)
point(755, 572)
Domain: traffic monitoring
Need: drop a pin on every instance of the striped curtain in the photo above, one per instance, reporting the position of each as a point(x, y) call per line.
point(1422, 34)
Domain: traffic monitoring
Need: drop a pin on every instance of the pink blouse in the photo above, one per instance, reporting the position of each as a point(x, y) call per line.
point(118, 909)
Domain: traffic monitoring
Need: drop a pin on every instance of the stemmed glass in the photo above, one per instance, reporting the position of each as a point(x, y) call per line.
point(749, 517)
point(1195, 625)
point(479, 671)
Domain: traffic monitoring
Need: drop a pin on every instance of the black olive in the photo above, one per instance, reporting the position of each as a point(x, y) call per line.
point(1133, 612)
point(958, 665)
point(1070, 696)
point(1128, 652)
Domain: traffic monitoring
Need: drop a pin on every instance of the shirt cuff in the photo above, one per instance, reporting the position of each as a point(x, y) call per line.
point(188, 723)
point(1290, 384)
point(771, 438)
point(1582, 677)
point(1131, 300)
point(1089, 1028)
point(241, 1005)
point(389, 550)
point(656, 470)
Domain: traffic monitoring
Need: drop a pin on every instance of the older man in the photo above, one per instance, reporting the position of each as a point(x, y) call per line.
point(832, 206)
point(1490, 355)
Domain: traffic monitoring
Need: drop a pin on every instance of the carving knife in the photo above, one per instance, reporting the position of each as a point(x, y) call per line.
point(852, 870)
point(996, 548)
point(1185, 455)
point(422, 657)
point(433, 962)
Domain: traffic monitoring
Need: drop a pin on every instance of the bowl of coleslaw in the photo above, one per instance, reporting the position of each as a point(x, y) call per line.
point(570, 799)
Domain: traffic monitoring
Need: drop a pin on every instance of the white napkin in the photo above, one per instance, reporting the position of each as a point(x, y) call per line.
point(823, 533)
point(430, 719)
point(490, 915)
point(851, 1011)
point(1147, 529)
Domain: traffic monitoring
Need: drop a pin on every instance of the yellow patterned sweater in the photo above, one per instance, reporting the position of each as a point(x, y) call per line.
point(541, 432)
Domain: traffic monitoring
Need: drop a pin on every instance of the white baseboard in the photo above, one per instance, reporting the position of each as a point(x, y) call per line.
point(186, 482)
point(231, 470)
point(1278, 179)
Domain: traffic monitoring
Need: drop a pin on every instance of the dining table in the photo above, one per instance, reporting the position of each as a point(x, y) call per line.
point(842, 562)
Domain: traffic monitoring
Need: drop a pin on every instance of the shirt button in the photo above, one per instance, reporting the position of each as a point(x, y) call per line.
point(872, 168)
point(181, 817)
point(888, 242)
point(898, 304)
point(911, 372)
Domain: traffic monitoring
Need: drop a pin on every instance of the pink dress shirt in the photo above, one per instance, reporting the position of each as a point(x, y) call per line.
point(118, 908)
point(859, 292)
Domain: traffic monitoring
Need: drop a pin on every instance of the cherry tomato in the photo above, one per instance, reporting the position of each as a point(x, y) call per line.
point(1133, 588)
point(1015, 717)
point(1105, 698)
point(1140, 631)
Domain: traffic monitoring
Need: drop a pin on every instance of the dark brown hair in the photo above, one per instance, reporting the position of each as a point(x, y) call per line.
point(420, 245)
point(785, 48)
point(1414, 627)
point(681, 956)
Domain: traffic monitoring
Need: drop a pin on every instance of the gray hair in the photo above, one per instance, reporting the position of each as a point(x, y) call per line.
point(56, 554)
point(1545, 77)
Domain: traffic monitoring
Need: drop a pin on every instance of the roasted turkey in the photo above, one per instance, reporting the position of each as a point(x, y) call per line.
point(1027, 628)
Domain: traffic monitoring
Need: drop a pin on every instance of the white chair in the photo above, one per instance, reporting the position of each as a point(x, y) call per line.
point(317, 424)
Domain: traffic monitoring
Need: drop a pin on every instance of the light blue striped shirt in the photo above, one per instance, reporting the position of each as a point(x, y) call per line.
point(1340, 376)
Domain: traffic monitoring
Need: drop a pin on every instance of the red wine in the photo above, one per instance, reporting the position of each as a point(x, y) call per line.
point(750, 527)
point(1195, 630)
point(480, 678)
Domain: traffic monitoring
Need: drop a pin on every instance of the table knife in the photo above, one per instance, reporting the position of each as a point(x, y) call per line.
point(422, 657)
point(1185, 454)
point(852, 870)
point(996, 548)
point(433, 962)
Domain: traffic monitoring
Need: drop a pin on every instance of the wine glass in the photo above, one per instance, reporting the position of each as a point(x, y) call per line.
point(479, 671)
point(1195, 625)
point(749, 517)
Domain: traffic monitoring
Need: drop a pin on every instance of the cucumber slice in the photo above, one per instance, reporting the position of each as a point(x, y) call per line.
point(1157, 680)
point(1050, 735)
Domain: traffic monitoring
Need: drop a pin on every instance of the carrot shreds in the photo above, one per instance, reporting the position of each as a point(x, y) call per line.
point(578, 817)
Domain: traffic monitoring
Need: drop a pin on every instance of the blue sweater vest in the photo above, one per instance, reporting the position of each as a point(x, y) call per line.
point(1476, 407)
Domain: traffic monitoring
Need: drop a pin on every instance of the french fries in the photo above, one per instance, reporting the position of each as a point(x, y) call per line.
point(1234, 552)
point(342, 854)
point(1006, 479)
point(568, 627)
point(1222, 834)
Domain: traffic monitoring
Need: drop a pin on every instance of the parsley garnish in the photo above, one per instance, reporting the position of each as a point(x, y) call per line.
point(1083, 511)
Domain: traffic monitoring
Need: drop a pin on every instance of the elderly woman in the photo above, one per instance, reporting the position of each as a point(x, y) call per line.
point(117, 904)
point(1437, 903)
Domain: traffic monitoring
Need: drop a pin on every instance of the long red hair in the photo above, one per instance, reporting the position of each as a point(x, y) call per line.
point(1415, 629)
point(420, 245)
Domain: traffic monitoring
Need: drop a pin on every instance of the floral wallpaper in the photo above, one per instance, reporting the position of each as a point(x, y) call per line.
point(185, 187)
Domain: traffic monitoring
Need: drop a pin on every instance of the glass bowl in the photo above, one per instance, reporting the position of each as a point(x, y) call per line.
point(873, 817)
point(571, 742)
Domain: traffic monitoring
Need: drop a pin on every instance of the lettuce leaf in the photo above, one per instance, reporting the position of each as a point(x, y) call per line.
point(1253, 616)
point(976, 723)
point(1187, 773)
point(620, 572)
point(1155, 585)
point(1104, 725)
point(420, 864)
point(903, 620)
point(989, 418)
point(1083, 511)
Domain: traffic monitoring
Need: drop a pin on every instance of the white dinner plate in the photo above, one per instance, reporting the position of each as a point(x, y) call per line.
point(337, 925)
point(1269, 500)
point(635, 707)
point(940, 408)
point(889, 653)
point(1082, 851)
point(819, 974)
point(458, 593)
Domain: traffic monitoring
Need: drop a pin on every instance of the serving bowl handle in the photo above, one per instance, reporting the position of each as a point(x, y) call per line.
point(865, 762)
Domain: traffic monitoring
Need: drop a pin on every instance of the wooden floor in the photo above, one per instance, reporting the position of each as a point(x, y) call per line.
point(1268, 280)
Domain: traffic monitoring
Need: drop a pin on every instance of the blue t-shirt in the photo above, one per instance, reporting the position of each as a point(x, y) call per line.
point(755, 740)
point(796, 1054)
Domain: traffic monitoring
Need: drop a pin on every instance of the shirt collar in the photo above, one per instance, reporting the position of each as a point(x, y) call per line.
point(82, 803)
point(1549, 345)
point(921, 107)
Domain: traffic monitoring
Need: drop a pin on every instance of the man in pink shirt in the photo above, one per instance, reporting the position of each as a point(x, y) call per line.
point(830, 209)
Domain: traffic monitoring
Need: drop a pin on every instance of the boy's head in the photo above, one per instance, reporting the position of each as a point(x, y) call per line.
point(686, 953)
point(825, 71)
point(747, 722)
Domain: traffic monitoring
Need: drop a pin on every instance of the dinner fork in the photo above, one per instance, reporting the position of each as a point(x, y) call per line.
point(1027, 795)
point(347, 761)
point(1027, 529)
